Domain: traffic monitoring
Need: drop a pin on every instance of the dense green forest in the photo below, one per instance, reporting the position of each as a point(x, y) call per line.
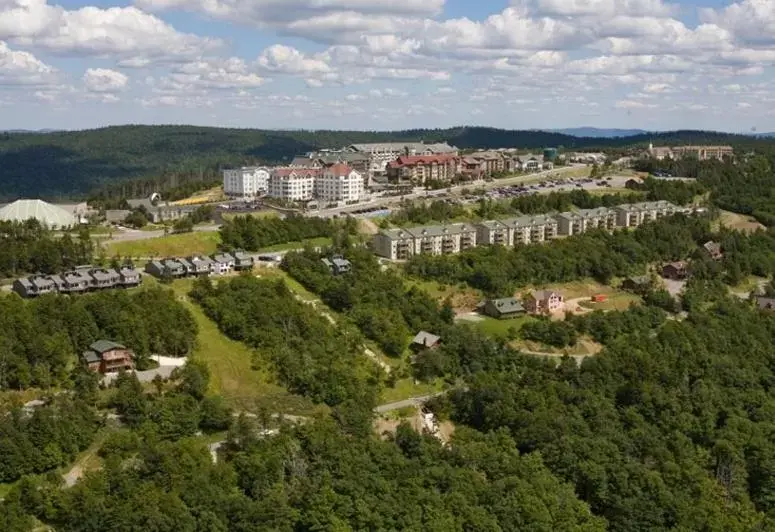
point(376, 300)
point(28, 247)
point(251, 233)
point(308, 355)
point(162, 158)
point(41, 340)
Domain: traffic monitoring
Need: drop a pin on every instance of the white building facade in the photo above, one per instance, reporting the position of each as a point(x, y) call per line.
point(246, 182)
point(293, 184)
point(339, 183)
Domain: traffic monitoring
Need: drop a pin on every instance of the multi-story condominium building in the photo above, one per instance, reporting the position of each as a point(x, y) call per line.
point(401, 244)
point(293, 184)
point(633, 215)
point(493, 232)
point(380, 154)
point(419, 169)
point(703, 153)
point(246, 182)
point(531, 229)
point(338, 183)
point(574, 223)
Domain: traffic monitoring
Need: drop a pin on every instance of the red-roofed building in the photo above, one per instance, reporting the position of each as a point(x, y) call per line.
point(419, 169)
point(293, 184)
point(339, 183)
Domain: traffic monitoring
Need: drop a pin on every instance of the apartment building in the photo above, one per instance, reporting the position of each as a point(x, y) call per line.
point(574, 223)
point(635, 214)
point(380, 154)
point(401, 244)
point(531, 229)
point(246, 182)
point(339, 183)
point(494, 233)
point(703, 153)
point(293, 184)
point(419, 169)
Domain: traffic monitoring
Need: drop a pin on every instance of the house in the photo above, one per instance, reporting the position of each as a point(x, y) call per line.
point(637, 285)
point(200, 265)
point(104, 356)
point(129, 277)
point(171, 267)
point(33, 286)
point(544, 302)
point(425, 340)
point(714, 250)
point(243, 261)
point(504, 308)
point(676, 270)
point(337, 265)
point(765, 303)
point(75, 282)
point(222, 264)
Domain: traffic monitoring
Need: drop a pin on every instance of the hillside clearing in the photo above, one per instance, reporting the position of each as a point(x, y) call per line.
point(180, 245)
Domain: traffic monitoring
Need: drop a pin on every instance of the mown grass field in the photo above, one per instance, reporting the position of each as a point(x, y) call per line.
point(180, 245)
point(739, 222)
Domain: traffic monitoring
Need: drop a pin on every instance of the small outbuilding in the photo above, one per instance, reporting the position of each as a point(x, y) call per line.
point(714, 250)
point(425, 340)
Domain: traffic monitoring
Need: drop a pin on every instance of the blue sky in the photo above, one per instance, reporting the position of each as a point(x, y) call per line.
point(373, 64)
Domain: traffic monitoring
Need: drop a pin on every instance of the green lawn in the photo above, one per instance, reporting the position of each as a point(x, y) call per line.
point(615, 301)
point(499, 328)
point(314, 242)
point(406, 388)
point(181, 245)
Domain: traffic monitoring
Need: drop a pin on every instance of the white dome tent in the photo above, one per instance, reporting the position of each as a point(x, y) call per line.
point(47, 214)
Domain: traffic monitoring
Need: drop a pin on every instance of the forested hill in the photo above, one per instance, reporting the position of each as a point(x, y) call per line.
point(72, 164)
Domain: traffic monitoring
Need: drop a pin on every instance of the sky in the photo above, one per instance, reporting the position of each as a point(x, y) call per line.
point(388, 64)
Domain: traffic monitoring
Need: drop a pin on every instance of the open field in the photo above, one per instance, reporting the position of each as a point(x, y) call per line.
point(739, 222)
point(498, 328)
point(462, 299)
point(577, 289)
point(616, 300)
point(207, 196)
point(406, 388)
point(314, 242)
point(180, 245)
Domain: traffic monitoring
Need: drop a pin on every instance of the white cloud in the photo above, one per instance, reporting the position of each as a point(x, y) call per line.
point(750, 21)
point(95, 31)
point(288, 60)
point(23, 68)
point(104, 80)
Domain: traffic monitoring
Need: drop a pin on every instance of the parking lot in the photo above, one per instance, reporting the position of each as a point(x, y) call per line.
point(558, 185)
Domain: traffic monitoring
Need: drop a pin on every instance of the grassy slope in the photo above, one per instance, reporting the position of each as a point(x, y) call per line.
point(204, 242)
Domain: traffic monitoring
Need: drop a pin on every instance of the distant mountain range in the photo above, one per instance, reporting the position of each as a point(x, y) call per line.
point(598, 133)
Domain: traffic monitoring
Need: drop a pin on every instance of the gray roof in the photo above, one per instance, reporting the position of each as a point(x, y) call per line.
point(41, 282)
point(103, 346)
point(765, 303)
point(24, 282)
point(425, 339)
point(600, 211)
point(200, 260)
point(542, 295)
point(129, 272)
point(185, 263)
point(91, 356)
point(327, 262)
point(241, 255)
point(492, 224)
point(507, 305)
point(223, 257)
point(341, 262)
point(530, 221)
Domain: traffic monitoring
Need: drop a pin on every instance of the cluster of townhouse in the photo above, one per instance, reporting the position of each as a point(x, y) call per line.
point(401, 244)
point(200, 265)
point(344, 175)
point(703, 153)
point(78, 281)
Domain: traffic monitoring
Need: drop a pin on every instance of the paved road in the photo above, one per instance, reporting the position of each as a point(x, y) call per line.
point(128, 235)
point(412, 401)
